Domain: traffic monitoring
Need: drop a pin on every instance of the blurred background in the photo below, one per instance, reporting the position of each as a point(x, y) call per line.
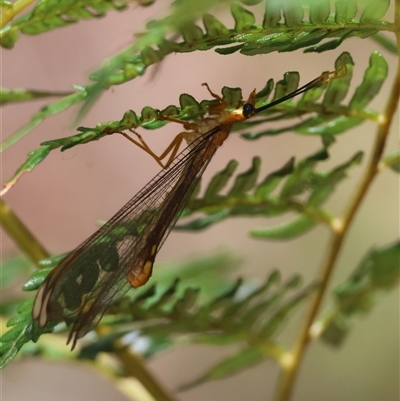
point(61, 201)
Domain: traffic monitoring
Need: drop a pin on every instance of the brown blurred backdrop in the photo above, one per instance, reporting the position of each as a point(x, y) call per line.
point(64, 197)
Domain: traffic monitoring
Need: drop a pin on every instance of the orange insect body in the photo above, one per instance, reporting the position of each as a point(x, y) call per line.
point(217, 116)
point(120, 255)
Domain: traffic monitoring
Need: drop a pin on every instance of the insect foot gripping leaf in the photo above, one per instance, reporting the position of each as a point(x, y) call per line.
point(120, 255)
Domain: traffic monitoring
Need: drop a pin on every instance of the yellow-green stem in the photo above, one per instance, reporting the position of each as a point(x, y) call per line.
point(134, 366)
point(20, 234)
point(8, 15)
point(290, 371)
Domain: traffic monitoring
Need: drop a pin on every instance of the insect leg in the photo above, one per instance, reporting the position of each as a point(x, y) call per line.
point(326, 76)
point(172, 148)
point(215, 109)
point(186, 124)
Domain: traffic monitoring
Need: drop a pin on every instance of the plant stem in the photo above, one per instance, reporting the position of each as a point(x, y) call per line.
point(8, 14)
point(20, 234)
point(134, 367)
point(290, 370)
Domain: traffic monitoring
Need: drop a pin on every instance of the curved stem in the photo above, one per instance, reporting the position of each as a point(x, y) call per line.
point(8, 14)
point(134, 367)
point(290, 370)
point(20, 234)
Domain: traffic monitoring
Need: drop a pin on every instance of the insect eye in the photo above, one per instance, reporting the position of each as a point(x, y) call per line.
point(248, 110)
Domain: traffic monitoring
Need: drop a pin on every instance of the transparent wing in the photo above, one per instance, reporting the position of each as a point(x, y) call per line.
point(121, 253)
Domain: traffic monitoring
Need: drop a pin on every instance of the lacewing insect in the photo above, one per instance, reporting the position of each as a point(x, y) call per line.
point(120, 255)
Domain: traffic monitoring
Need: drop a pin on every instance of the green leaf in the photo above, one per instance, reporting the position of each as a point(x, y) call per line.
point(272, 180)
point(220, 180)
point(289, 230)
point(23, 95)
point(47, 111)
point(245, 36)
point(214, 27)
point(151, 46)
point(15, 320)
point(346, 11)
point(331, 116)
point(273, 298)
point(23, 330)
point(324, 184)
point(393, 161)
point(34, 158)
point(9, 40)
point(264, 93)
point(51, 14)
point(201, 224)
point(298, 180)
point(21, 333)
point(384, 267)
point(328, 126)
point(378, 272)
point(149, 56)
point(386, 43)
point(279, 317)
point(272, 14)
point(338, 88)
point(374, 77)
point(12, 342)
point(328, 140)
point(244, 302)
point(251, 2)
point(190, 104)
point(164, 316)
point(244, 19)
point(12, 269)
point(232, 96)
point(336, 331)
point(319, 11)
point(293, 13)
point(303, 190)
point(36, 279)
point(191, 33)
point(288, 84)
point(246, 181)
point(231, 365)
point(374, 10)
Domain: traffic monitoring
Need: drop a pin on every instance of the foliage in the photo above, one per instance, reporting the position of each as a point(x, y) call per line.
point(289, 33)
point(196, 302)
point(304, 190)
point(332, 117)
point(379, 271)
point(23, 330)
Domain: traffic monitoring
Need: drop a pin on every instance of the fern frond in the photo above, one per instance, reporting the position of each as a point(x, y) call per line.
point(246, 315)
point(284, 28)
point(21, 331)
point(328, 116)
point(24, 95)
point(378, 272)
point(303, 190)
point(50, 110)
point(393, 161)
point(197, 272)
point(48, 15)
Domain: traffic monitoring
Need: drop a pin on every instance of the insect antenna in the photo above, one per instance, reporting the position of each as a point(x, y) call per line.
point(249, 110)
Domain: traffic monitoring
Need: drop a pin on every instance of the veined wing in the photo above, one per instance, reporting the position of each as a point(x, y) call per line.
point(121, 253)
